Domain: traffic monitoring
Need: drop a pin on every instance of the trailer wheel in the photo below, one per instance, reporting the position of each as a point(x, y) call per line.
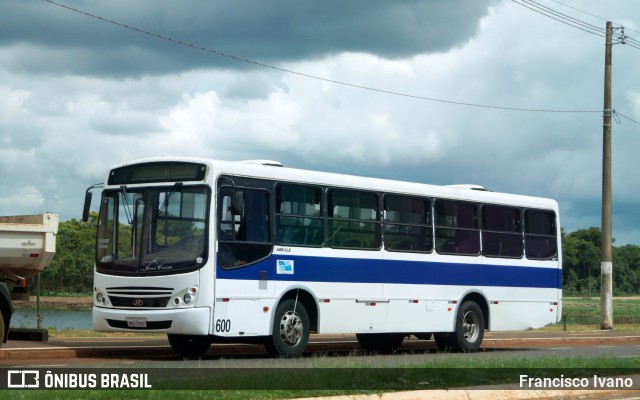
point(189, 346)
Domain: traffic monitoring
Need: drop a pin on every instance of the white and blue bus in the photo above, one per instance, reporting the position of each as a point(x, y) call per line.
point(212, 251)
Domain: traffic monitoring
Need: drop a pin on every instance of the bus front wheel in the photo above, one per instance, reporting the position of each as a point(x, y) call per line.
point(290, 330)
point(189, 346)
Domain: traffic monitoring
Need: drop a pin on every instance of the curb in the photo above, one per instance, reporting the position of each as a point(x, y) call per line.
point(47, 351)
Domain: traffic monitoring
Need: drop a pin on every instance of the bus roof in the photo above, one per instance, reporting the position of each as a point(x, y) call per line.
point(267, 169)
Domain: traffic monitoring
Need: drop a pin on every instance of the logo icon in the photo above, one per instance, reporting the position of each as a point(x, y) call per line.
point(285, 267)
point(23, 379)
point(137, 302)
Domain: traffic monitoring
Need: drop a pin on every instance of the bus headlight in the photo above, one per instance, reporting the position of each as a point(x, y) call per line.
point(186, 297)
point(100, 298)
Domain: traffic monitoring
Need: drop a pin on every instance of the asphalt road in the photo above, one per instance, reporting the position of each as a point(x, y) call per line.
point(118, 350)
point(335, 353)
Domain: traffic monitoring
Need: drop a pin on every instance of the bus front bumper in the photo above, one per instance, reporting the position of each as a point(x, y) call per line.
point(185, 321)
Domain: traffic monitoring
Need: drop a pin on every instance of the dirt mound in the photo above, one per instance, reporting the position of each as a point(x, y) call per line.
point(68, 301)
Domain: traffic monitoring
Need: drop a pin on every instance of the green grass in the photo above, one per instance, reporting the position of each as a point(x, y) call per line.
point(327, 376)
point(579, 314)
point(584, 313)
point(352, 375)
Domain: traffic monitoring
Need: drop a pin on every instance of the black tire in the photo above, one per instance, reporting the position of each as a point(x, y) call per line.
point(189, 346)
point(2, 328)
point(443, 341)
point(469, 328)
point(290, 330)
point(385, 343)
point(423, 336)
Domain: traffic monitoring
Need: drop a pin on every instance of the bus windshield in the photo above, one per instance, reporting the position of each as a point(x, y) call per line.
point(151, 231)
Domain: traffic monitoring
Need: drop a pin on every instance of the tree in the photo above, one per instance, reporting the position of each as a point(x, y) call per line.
point(71, 270)
point(626, 273)
point(581, 262)
point(581, 265)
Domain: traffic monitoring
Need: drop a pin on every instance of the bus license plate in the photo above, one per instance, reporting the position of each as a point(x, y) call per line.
point(136, 322)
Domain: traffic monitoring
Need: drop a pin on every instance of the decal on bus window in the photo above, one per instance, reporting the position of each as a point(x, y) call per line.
point(285, 267)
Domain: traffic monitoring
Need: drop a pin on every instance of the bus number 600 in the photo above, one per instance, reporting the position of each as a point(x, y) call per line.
point(223, 325)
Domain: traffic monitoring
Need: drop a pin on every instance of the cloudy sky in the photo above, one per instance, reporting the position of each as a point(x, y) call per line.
point(79, 94)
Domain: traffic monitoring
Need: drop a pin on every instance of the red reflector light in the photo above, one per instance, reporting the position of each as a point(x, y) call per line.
point(34, 255)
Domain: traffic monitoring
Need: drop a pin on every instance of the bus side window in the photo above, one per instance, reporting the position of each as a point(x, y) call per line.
point(353, 220)
point(299, 220)
point(501, 232)
point(243, 231)
point(540, 237)
point(407, 224)
point(457, 228)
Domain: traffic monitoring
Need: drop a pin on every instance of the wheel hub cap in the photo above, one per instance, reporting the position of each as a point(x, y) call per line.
point(291, 329)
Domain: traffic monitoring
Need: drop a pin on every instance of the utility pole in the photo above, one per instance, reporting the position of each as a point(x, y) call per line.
point(606, 266)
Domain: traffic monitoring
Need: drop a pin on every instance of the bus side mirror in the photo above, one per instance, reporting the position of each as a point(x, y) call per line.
point(87, 206)
point(87, 201)
point(237, 205)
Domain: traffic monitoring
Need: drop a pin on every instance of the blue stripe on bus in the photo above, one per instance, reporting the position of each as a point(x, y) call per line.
point(354, 270)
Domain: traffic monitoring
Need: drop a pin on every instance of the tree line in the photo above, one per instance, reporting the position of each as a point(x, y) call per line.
point(71, 270)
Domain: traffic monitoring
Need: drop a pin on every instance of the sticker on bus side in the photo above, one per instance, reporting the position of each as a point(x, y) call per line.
point(285, 267)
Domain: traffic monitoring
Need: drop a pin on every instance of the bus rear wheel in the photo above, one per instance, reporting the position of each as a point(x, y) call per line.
point(469, 330)
point(290, 330)
point(385, 343)
point(189, 346)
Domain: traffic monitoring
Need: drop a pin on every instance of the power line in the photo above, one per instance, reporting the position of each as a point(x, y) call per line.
point(575, 22)
point(625, 117)
point(558, 17)
point(315, 77)
point(592, 15)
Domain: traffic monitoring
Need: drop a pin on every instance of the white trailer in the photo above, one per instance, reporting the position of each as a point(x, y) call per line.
point(27, 245)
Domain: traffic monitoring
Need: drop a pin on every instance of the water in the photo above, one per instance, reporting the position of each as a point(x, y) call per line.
point(53, 319)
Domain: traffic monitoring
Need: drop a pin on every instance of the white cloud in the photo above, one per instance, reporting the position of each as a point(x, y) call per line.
point(59, 132)
point(25, 198)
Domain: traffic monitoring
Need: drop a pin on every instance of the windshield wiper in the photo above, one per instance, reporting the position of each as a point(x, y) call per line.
point(127, 210)
point(176, 188)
